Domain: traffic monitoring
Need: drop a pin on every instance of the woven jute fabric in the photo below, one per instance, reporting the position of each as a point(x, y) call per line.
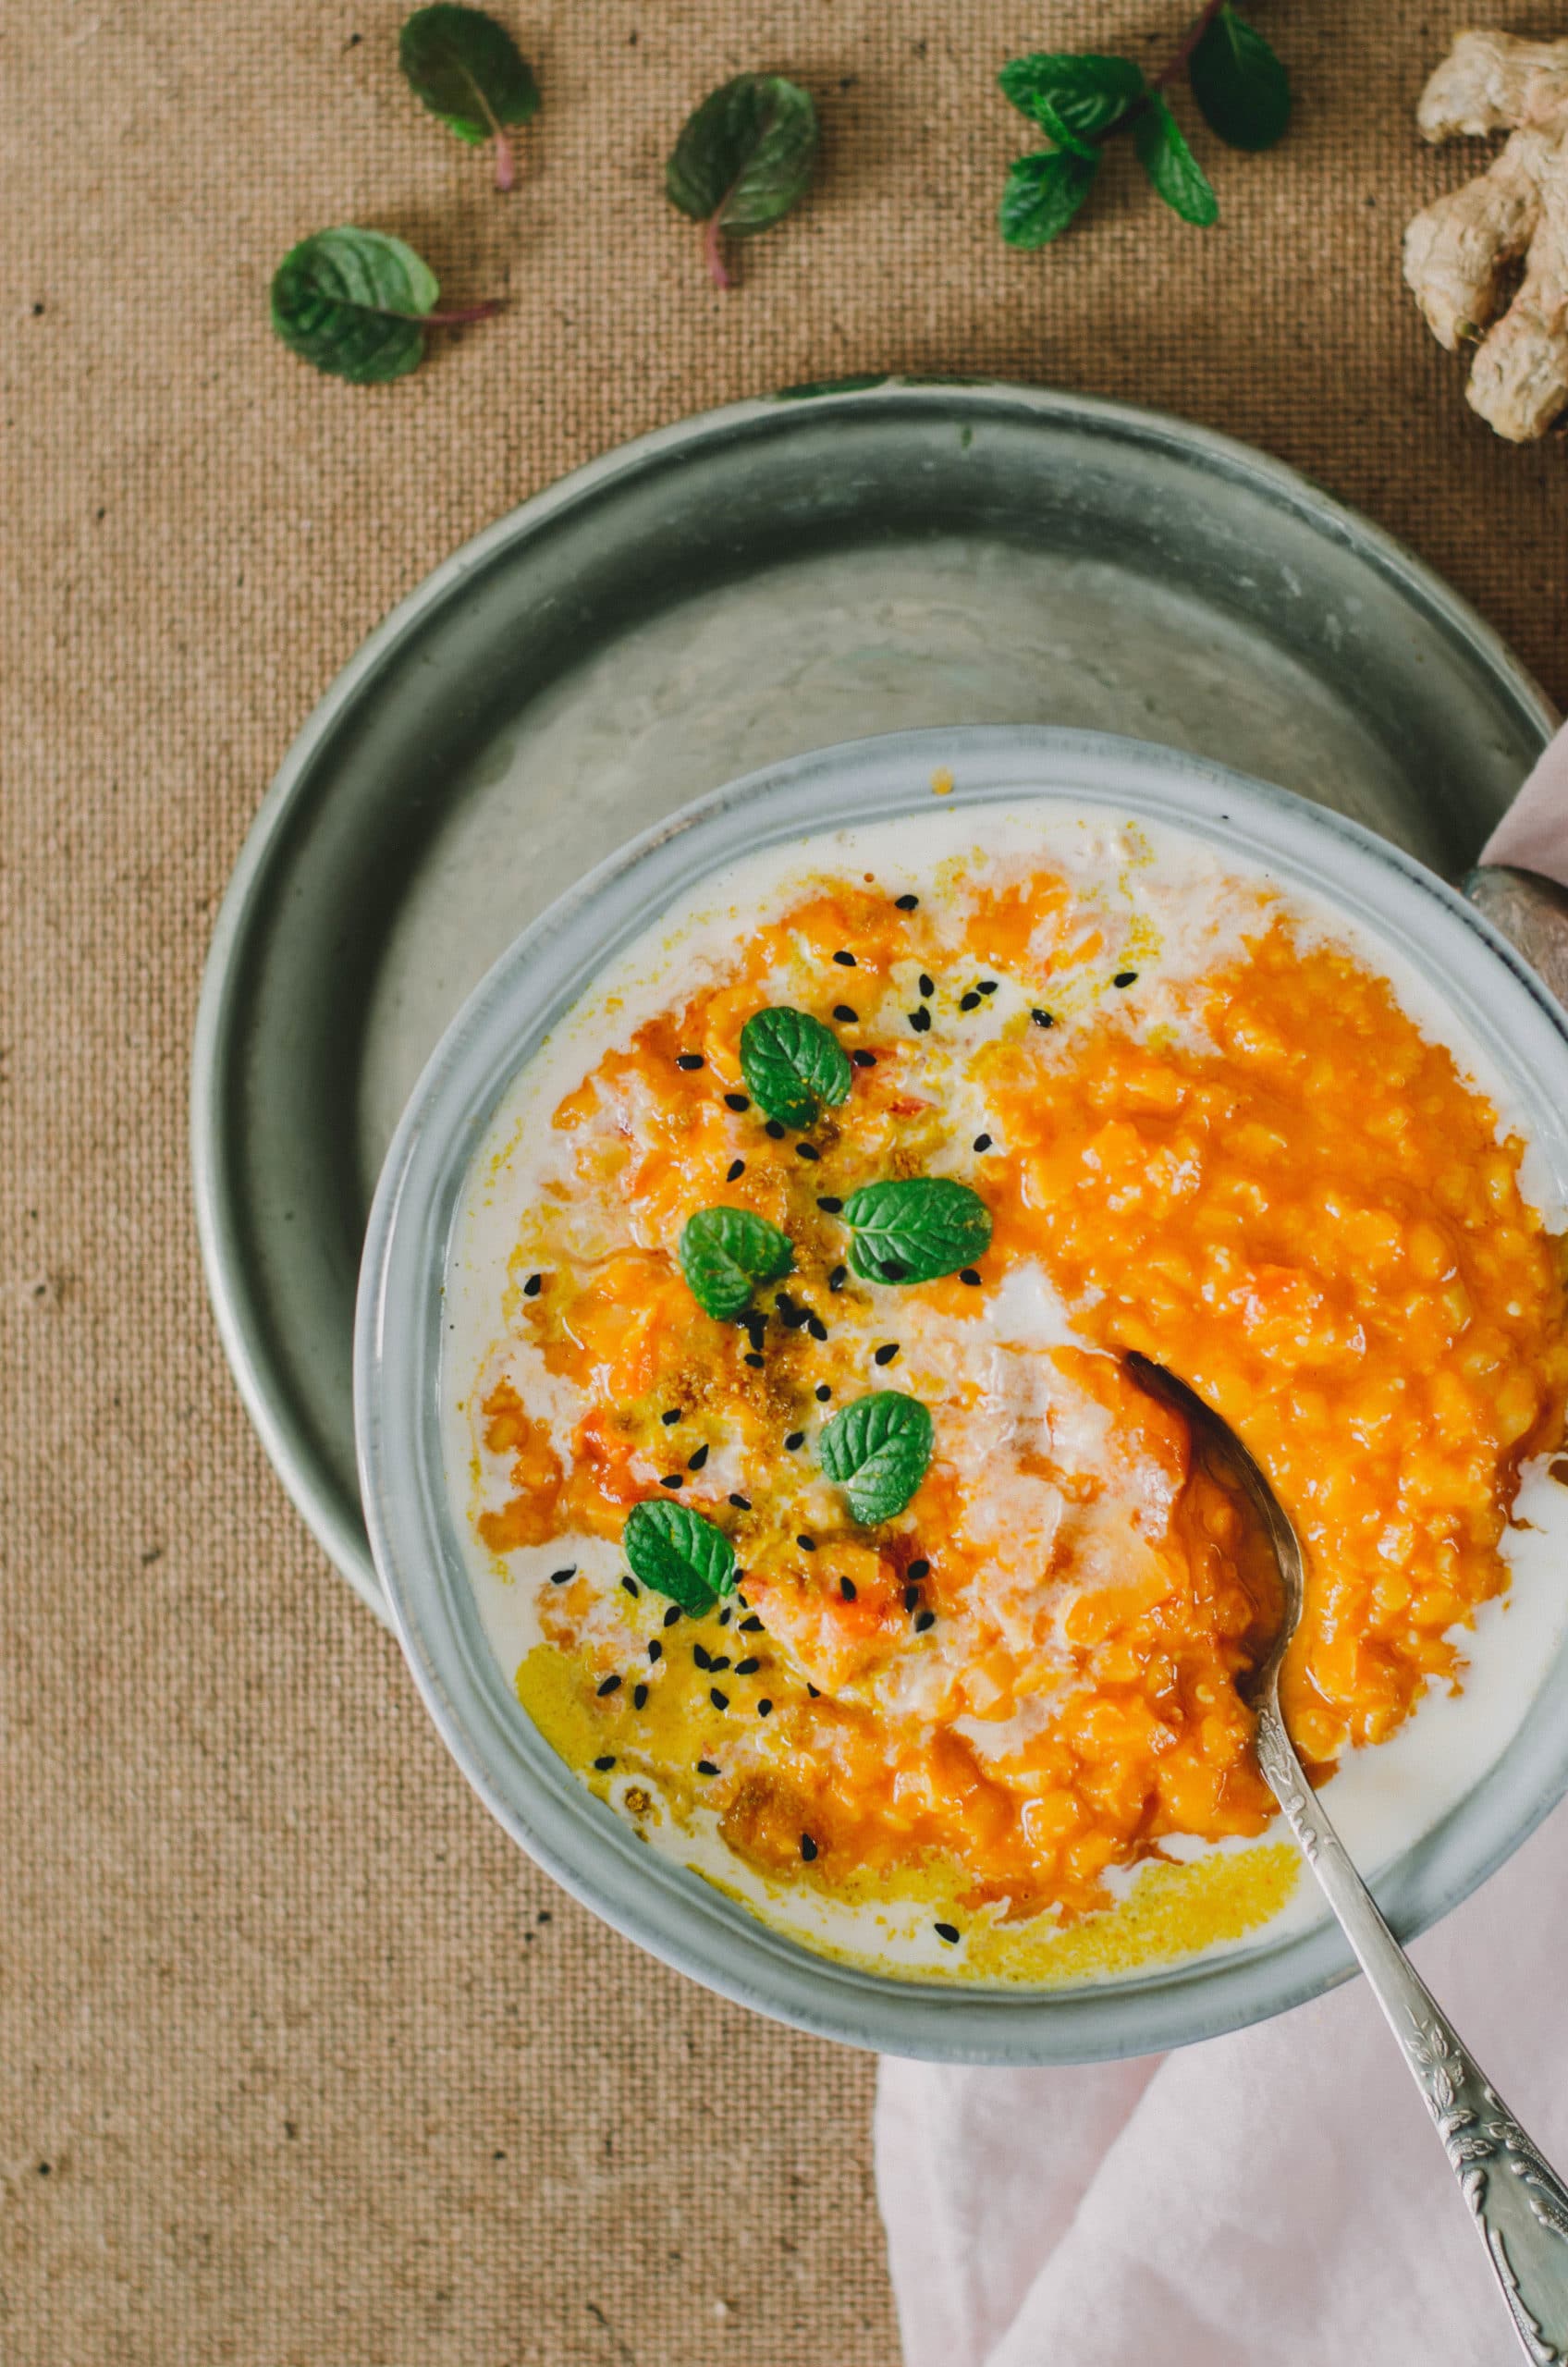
point(299, 2061)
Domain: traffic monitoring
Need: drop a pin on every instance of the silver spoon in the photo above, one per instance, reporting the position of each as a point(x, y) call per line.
point(1517, 2201)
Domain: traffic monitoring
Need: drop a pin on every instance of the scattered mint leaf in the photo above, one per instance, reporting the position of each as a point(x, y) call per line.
point(356, 303)
point(466, 69)
point(725, 1253)
point(1171, 165)
point(676, 1552)
point(793, 1064)
point(1074, 96)
point(915, 1228)
point(877, 1450)
point(1240, 84)
point(743, 158)
point(1042, 193)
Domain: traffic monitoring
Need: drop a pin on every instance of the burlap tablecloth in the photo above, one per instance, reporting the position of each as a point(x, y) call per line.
point(298, 2061)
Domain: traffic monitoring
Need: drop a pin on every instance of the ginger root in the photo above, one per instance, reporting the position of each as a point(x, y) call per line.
point(1463, 254)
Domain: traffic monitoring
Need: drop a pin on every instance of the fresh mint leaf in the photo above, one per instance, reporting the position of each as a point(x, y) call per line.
point(877, 1450)
point(1042, 193)
point(915, 1228)
point(725, 1253)
point(743, 158)
point(466, 69)
point(1240, 85)
point(1072, 96)
point(1171, 165)
point(356, 303)
point(792, 1064)
point(677, 1553)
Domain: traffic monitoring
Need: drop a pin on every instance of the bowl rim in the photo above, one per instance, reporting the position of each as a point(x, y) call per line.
point(544, 1807)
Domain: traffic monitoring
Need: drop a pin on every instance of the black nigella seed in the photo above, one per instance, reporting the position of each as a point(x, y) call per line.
point(985, 986)
point(969, 1003)
point(720, 1700)
point(775, 1129)
point(670, 1415)
point(925, 1619)
point(795, 1439)
point(845, 960)
point(864, 1060)
point(610, 1684)
point(920, 1020)
point(1125, 978)
point(533, 1285)
point(806, 1544)
point(752, 1358)
point(912, 1596)
point(751, 1627)
point(829, 1203)
point(813, 1693)
point(823, 1392)
point(967, 1274)
point(845, 1016)
point(655, 1649)
point(949, 1932)
point(789, 1311)
point(605, 1763)
point(688, 1059)
point(1042, 1019)
point(672, 1614)
point(706, 1767)
point(837, 1277)
point(847, 1589)
point(737, 1101)
point(742, 1504)
point(807, 1150)
point(639, 1697)
point(673, 1479)
point(724, 1622)
point(886, 1353)
point(719, 1661)
point(808, 1847)
point(765, 1709)
point(631, 1586)
point(906, 903)
point(815, 1325)
point(918, 1569)
point(982, 1142)
point(695, 1462)
point(892, 1271)
point(747, 1667)
point(736, 1167)
point(700, 1654)
point(560, 1577)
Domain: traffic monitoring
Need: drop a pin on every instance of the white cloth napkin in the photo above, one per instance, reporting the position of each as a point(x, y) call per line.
point(1274, 2198)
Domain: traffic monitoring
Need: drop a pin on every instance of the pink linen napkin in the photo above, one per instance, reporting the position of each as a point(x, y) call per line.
point(1276, 2196)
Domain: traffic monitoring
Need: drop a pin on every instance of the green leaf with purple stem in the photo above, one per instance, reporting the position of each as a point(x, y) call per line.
point(466, 69)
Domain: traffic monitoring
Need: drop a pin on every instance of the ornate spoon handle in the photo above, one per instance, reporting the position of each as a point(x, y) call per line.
point(1516, 2199)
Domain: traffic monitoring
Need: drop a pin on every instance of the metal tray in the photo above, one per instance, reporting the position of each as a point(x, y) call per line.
point(761, 581)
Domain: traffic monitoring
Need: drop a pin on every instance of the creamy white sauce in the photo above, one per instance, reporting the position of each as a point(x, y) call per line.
point(1156, 891)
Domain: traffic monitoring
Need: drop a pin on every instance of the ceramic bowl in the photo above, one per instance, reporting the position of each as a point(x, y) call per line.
point(398, 1377)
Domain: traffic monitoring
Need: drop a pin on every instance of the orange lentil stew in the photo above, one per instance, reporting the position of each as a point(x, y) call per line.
point(946, 1608)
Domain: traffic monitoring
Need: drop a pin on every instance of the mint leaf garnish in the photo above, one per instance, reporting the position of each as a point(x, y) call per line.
point(725, 1253)
point(912, 1229)
point(1240, 84)
point(877, 1450)
point(356, 303)
point(1072, 96)
point(1042, 193)
point(742, 160)
point(466, 69)
point(1171, 165)
point(677, 1553)
point(793, 1064)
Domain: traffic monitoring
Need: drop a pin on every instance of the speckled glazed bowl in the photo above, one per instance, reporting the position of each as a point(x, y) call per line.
point(419, 1553)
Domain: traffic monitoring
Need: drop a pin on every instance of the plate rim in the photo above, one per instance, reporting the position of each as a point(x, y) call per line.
point(238, 1304)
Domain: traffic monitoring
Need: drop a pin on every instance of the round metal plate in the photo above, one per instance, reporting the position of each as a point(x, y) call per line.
point(759, 582)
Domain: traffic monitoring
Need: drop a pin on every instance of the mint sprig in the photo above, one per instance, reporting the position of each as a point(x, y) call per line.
point(725, 1252)
point(877, 1448)
point(744, 157)
point(916, 1227)
point(1243, 90)
point(676, 1552)
point(793, 1065)
point(356, 304)
point(466, 69)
